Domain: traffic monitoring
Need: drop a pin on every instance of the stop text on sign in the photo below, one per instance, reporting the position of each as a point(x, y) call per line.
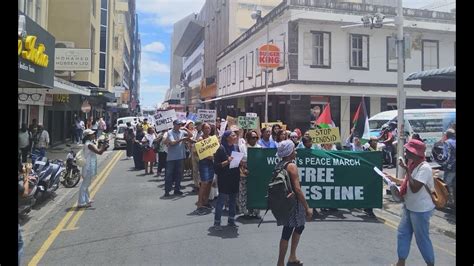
point(269, 56)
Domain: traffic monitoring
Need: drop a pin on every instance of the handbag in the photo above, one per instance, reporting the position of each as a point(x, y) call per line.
point(80, 160)
point(440, 194)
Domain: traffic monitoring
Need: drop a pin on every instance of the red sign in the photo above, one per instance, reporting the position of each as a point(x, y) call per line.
point(86, 107)
point(269, 56)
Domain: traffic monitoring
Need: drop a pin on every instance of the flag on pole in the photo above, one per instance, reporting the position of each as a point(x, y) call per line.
point(361, 123)
point(325, 120)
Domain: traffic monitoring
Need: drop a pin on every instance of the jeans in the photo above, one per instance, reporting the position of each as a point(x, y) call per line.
point(173, 173)
point(418, 223)
point(24, 154)
point(20, 245)
point(220, 204)
point(78, 135)
point(84, 196)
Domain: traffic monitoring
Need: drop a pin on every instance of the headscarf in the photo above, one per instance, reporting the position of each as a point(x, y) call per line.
point(228, 148)
point(285, 149)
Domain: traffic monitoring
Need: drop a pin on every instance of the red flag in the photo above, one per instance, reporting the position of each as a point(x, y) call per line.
point(325, 119)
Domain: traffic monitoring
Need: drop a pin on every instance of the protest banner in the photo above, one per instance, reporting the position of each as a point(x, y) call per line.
point(181, 115)
point(192, 117)
point(325, 135)
point(207, 147)
point(329, 179)
point(251, 114)
point(164, 119)
point(231, 121)
point(207, 116)
point(245, 122)
point(270, 124)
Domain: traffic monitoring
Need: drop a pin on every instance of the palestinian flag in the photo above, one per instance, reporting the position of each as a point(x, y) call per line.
point(361, 123)
point(325, 120)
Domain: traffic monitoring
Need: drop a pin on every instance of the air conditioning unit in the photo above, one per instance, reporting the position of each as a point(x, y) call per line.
point(64, 44)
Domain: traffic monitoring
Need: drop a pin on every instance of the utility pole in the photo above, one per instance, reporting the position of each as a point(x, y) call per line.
point(401, 90)
point(266, 76)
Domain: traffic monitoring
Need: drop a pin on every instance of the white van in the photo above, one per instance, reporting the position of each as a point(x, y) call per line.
point(125, 120)
point(428, 123)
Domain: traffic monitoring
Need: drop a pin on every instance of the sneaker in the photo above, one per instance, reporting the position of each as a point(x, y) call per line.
point(217, 227)
point(179, 193)
point(167, 195)
point(208, 206)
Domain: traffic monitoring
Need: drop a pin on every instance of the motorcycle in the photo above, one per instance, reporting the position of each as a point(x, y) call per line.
point(72, 174)
point(49, 176)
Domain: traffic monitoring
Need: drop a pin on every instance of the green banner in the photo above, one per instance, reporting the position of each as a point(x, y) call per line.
point(329, 179)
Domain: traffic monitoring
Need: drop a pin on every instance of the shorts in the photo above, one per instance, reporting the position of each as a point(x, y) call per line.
point(206, 170)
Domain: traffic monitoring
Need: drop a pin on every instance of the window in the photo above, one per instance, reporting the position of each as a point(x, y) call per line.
point(392, 64)
point(102, 78)
point(249, 65)
point(93, 8)
point(29, 8)
point(229, 75)
point(359, 56)
point(281, 42)
point(103, 38)
point(38, 12)
point(103, 17)
point(234, 72)
point(430, 55)
point(92, 46)
point(241, 68)
point(317, 49)
point(224, 77)
point(102, 61)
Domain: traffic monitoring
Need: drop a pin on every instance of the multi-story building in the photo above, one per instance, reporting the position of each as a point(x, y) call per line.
point(324, 63)
point(43, 97)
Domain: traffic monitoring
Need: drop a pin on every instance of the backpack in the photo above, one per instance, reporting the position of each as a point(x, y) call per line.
point(280, 199)
point(440, 194)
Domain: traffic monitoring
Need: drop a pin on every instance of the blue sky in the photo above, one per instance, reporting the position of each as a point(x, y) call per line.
point(155, 21)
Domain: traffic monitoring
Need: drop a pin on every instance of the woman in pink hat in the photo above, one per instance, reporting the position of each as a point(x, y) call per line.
point(418, 205)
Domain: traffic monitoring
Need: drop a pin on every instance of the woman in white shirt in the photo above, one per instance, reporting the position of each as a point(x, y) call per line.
point(89, 170)
point(418, 205)
point(149, 155)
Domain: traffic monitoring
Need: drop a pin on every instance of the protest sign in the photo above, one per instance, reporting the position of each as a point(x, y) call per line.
point(248, 122)
point(164, 119)
point(207, 147)
point(325, 135)
point(222, 129)
point(192, 117)
point(181, 115)
point(251, 114)
point(270, 124)
point(207, 116)
point(329, 179)
point(231, 121)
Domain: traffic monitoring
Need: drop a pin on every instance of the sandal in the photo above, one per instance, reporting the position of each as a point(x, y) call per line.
point(294, 263)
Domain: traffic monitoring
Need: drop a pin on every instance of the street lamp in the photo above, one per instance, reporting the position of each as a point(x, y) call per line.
point(377, 21)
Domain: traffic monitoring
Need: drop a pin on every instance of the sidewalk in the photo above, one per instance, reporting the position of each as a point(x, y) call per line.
point(443, 221)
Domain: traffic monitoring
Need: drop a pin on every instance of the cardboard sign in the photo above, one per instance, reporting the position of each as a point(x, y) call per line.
point(181, 115)
point(270, 124)
point(207, 116)
point(222, 129)
point(325, 135)
point(251, 114)
point(164, 119)
point(231, 121)
point(248, 122)
point(207, 147)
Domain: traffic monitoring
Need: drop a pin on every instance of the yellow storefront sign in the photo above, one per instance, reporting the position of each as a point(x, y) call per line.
point(325, 135)
point(30, 52)
point(207, 147)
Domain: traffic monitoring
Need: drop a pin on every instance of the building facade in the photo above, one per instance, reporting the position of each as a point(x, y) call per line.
point(324, 63)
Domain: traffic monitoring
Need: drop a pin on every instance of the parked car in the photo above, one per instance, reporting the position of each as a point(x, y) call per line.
point(119, 141)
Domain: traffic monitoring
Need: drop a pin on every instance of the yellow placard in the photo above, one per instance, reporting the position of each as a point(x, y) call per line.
point(270, 124)
point(325, 135)
point(207, 147)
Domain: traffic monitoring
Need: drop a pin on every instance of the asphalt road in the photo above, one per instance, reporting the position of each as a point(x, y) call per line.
point(130, 224)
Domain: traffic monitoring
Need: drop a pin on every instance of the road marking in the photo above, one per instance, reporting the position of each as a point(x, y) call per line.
point(78, 214)
point(394, 225)
point(54, 234)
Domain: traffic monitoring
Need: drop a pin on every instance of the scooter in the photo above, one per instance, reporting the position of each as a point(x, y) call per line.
point(49, 175)
point(72, 174)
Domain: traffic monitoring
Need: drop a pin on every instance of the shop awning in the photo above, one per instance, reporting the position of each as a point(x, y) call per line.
point(62, 86)
point(339, 90)
point(443, 79)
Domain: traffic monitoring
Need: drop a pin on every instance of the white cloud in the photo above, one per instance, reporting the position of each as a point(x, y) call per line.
point(167, 12)
point(154, 47)
point(152, 68)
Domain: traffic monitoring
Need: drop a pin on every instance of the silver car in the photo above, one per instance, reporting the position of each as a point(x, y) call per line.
point(119, 141)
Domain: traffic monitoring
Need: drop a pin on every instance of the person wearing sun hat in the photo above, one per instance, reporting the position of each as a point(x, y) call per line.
point(418, 205)
point(89, 170)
